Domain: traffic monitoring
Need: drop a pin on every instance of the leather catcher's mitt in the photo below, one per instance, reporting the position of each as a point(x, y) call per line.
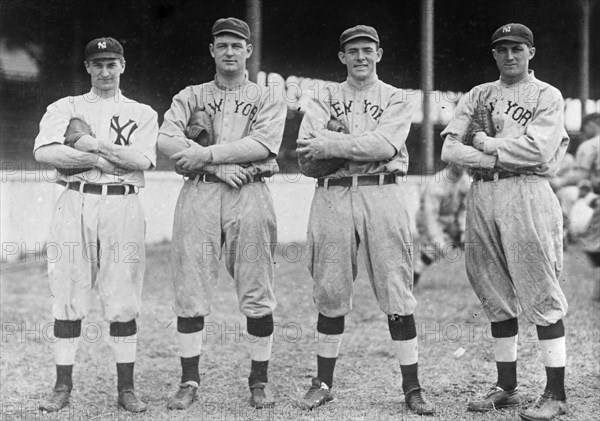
point(200, 129)
point(322, 167)
point(75, 130)
point(480, 122)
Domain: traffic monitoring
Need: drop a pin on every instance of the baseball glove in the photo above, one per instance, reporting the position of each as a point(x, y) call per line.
point(322, 167)
point(75, 130)
point(480, 122)
point(199, 128)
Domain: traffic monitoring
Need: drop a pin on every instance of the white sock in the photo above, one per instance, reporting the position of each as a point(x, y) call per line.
point(554, 352)
point(260, 347)
point(407, 352)
point(505, 349)
point(190, 344)
point(65, 350)
point(124, 348)
point(328, 346)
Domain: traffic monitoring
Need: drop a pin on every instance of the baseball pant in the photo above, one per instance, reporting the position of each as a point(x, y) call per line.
point(376, 218)
point(96, 241)
point(212, 219)
point(514, 249)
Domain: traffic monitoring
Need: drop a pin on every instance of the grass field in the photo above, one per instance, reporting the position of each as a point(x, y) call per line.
point(456, 360)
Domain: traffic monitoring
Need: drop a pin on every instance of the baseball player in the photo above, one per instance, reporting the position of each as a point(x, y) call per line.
point(441, 216)
point(224, 201)
point(514, 225)
point(97, 232)
point(360, 203)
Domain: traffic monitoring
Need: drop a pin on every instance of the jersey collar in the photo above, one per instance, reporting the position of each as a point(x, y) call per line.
point(363, 87)
point(530, 76)
point(226, 88)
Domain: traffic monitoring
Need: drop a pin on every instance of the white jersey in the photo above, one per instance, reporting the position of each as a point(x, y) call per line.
point(117, 120)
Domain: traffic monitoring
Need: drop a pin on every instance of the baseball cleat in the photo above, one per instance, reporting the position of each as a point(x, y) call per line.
point(318, 394)
point(417, 403)
point(58, 400)
point(128, 401)
point(496, 398)
point(545, 408)
point(262, 396)
point(184, 397)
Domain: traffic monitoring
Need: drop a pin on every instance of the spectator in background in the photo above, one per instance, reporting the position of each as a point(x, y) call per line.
point(585, 166)
point(441, 216)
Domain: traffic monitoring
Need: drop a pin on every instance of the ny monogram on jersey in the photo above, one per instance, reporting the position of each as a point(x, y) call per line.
point(371, 109)
point(241, 107)
point(122, 132)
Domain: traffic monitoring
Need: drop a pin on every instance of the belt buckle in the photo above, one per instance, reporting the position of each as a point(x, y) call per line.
point(81, 186)
point(496, 176)
point(381, 180)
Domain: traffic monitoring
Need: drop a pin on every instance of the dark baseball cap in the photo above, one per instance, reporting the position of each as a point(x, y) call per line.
point(358, 31)
point(233, 26)
point(105, 47)
point(514, 32)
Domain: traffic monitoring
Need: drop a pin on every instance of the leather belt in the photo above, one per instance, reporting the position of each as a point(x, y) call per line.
point(493, 176)
point(358, 180)
point(211, 178)
point(108, 189)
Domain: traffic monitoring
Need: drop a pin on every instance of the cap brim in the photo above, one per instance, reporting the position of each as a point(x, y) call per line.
point(104, 55)
point(512, 38)
point(229, 31)
point(359, 36)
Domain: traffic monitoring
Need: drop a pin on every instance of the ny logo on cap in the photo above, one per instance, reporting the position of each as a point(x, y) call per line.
point(506, 28)
point(102, 44)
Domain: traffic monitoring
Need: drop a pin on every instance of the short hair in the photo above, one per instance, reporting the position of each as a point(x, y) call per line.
point(591, 118)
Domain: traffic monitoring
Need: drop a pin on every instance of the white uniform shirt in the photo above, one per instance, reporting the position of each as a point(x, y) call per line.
point(118, 120)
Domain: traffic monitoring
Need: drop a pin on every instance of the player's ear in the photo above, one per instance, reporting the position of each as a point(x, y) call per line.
point(494, 53)
point(379, 55)
point(249, 49)
point(531, 52)
point(211, 48)
point(122, 66)
point(342, 57)
point(87, 66)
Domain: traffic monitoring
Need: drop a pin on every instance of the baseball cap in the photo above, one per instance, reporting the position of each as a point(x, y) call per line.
point(515, 32)
point(104, 47)
point(358, 31)
point(233, 26)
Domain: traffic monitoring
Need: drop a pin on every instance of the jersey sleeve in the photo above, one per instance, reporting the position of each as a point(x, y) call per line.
point(454, 151)
point(54, 124)
point(315, 118)
point(542, 138)
point(171, 136)
point(146, 135)
point(267, 128)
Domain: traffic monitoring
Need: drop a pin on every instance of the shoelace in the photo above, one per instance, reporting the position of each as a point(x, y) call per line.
point(312, 392)
point(494, 389)
point(417, 398)
point(546, 396)
point(58, 396)
point(183, 390)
